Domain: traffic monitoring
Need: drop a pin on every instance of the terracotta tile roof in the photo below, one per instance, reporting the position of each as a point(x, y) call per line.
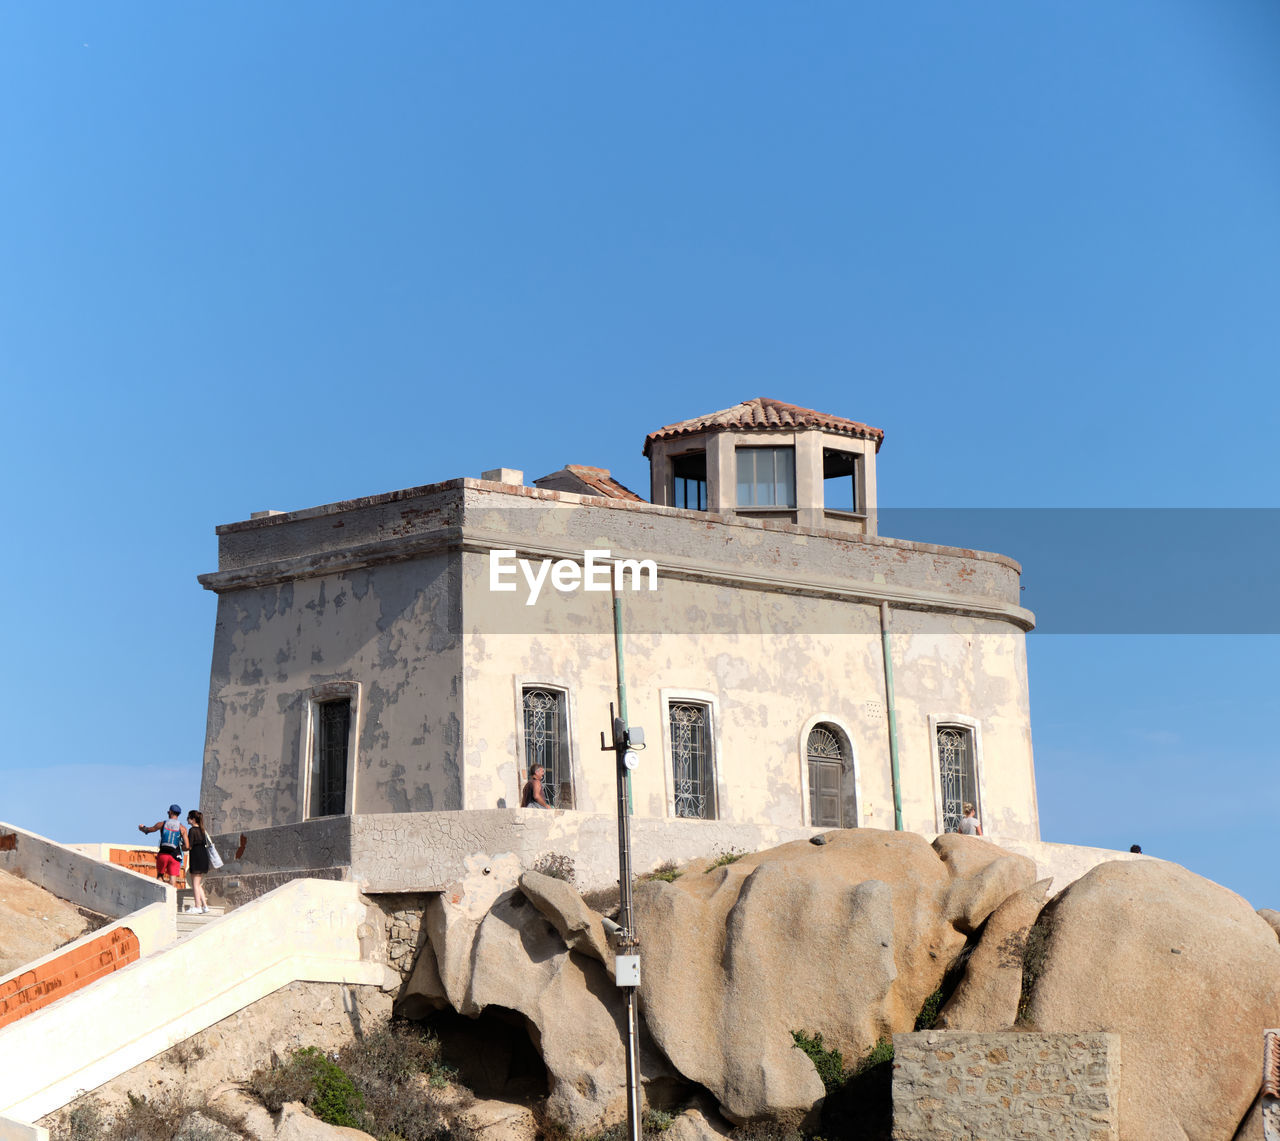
point(764, 414)
point(593, 481)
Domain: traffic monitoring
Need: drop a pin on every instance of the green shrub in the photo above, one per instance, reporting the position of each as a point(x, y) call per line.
point(656, 1121)
point(878, 1055)
point(667, 872)
point(828, 1063)
point(732, 856)
point(315, 1080)
point(929, 1011)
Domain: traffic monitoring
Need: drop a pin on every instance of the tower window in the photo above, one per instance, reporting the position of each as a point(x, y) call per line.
point(689, 473)
point(841, 490)
point(766, 477)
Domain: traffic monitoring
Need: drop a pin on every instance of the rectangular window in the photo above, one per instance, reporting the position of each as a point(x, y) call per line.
point(546, 743)
point(958, 774)
point(692, 772)
point(840, 484)
point(689, 473)
point(329, 757)
point(766, 477)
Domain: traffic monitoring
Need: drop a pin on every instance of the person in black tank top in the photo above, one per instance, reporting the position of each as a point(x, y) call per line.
point(199, 863)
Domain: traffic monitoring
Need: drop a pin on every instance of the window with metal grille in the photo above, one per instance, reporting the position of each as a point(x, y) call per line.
point(958, 774)
point(329, 757)
point(689, 476)
point(692, 776)
point(545, 744)
point(766, 477)
point(827, 761)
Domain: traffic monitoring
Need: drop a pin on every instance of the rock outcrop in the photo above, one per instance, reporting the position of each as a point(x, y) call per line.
point(987, 995)
point(537, 951)
point(1184, 970)
point(846, 939)
point(1272, 917)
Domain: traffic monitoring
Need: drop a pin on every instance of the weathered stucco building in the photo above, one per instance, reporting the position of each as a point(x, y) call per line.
point(376, 656)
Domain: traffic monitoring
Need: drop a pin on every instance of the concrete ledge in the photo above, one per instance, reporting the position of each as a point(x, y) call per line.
point(1064, 863)
point(427, 851)
point(11, 1130)
point(106, 888)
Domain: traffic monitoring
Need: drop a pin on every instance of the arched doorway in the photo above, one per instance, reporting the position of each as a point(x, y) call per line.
point(829, 773)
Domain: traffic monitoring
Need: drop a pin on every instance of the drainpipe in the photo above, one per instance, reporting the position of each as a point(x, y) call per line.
point(893, 717)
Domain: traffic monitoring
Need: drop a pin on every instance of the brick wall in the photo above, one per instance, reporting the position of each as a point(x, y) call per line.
point(952, 1085)
point(142, 861)
point(82, 964)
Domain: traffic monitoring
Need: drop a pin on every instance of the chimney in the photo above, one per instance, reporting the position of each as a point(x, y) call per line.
point(510, 475)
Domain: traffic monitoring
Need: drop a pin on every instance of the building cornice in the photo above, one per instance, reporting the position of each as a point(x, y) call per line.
point(478, 540)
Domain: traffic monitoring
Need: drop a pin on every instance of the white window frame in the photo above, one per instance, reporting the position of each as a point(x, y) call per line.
point(555, 685)
point(962, 721)
point(330, 691)
point(807, 728)
point(669, 697)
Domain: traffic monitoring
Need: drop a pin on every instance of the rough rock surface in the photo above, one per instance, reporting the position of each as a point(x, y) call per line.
point(197, 1127)
point(846, 939)
point(1184, 970)
point(520, 963)
point(297, 1123)
point(253, 1121)
point(453, 920)
point(1272, 918)
point(500, 1120)
point(987, 997)
point(698, 1123)
point(579, 926)
point(33, 922)
point(492, 947)
point(983, 876)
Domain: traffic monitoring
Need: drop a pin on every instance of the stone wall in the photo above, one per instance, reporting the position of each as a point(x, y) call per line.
point(951, 1086)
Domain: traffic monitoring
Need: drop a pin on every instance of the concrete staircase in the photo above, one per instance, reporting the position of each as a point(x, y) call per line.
point(192, 921)
point(310, 930)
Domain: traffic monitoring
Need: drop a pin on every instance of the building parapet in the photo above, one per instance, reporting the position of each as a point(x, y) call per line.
point(478, 516)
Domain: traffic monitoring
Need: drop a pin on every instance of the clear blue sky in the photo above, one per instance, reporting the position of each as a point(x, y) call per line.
point(277, 255)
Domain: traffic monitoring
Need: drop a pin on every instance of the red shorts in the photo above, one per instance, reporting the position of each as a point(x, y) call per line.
point(167, 865)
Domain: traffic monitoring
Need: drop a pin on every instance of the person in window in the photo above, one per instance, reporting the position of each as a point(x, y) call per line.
point(969, 825)
point(533, 796)
point(173, 839)
point(199, 862)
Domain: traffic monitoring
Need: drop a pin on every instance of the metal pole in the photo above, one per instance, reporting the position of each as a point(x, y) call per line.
point(893, 717)
point(627, 941)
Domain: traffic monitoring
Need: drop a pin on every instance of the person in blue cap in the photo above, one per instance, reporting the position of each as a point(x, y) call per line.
point(173, 842)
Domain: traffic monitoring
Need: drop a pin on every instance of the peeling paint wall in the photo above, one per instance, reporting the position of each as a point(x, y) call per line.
point(391, 629)
point(773, 627)
point(770, 666)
